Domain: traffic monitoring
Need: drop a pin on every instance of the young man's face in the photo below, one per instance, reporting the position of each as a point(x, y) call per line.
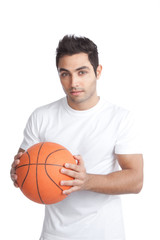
point(78, 80)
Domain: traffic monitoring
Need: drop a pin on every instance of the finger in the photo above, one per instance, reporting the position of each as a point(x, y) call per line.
point(16, 184)
point(70, 173)
point(15, 163)
point(72, 189)
point(14, 177)
point(18, 155)
point(72, 166)
point(70, 183)
point(12, 171)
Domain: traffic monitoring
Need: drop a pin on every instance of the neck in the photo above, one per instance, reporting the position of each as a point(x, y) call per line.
point(83, 105)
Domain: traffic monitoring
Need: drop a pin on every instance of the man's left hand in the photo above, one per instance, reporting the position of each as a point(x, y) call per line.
point(78, 172)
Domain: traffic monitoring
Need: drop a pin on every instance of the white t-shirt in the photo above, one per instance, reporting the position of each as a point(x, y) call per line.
point(96, 134)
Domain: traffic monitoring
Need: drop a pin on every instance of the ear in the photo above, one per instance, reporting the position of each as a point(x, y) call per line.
point(99, 70)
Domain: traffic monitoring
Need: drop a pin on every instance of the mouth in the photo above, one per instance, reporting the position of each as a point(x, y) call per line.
point(76, 93)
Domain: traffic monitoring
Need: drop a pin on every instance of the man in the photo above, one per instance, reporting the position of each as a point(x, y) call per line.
point(102, 138)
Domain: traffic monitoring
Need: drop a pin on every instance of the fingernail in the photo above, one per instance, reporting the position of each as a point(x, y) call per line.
point(66, 165)
point(62, 183)
point(62, 170)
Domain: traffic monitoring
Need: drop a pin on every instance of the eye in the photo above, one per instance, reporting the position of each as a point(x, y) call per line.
point(64, 74)
point(82, 72)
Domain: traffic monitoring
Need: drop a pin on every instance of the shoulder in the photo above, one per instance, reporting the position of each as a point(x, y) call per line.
point(48, 108)
point(115, 110)
point(48, 111)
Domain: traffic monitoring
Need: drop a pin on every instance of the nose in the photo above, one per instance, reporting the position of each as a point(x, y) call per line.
point(74, 81)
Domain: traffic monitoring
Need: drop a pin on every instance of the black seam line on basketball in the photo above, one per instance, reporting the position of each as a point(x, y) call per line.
point(46, 168)
point(37, 173)
point(53, 180)
point(46, 159)
point(52, 153)
point(27, 171)
point(50, 164)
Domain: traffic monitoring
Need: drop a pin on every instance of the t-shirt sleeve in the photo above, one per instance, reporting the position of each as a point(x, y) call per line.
point(31, 135)
point(129, 136)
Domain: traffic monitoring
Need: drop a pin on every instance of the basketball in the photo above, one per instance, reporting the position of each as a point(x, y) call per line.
point(39, 173)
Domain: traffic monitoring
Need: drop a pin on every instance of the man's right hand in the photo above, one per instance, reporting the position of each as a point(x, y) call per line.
point(13, 168)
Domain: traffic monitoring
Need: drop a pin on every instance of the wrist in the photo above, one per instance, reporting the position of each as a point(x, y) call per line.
point(87, 186)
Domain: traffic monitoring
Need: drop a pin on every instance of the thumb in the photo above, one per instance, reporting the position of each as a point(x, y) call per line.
point(78, 159)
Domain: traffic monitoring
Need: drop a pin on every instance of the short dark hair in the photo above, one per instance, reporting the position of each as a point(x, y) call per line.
point(70, 44)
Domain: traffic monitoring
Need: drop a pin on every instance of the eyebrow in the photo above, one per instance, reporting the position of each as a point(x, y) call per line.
point(77, 69)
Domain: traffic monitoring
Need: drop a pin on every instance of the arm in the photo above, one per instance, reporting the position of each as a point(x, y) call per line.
point(127, 180)
point(21, 150)
point(31, 136)
point(14, 164)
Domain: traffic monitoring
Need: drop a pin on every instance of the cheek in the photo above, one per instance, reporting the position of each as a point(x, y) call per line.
point(64, 84)
point(91, 83)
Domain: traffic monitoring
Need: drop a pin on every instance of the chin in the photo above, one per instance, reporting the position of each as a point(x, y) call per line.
point(76, 99)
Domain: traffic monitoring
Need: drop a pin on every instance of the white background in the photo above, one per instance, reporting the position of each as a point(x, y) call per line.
point(128, 37)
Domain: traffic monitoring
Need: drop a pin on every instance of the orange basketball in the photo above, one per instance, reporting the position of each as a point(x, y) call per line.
point(39, 173)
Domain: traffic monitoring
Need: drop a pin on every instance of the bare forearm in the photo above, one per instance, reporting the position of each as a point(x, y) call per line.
point(120, 182)
point(127, 180)
point(21, 150)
